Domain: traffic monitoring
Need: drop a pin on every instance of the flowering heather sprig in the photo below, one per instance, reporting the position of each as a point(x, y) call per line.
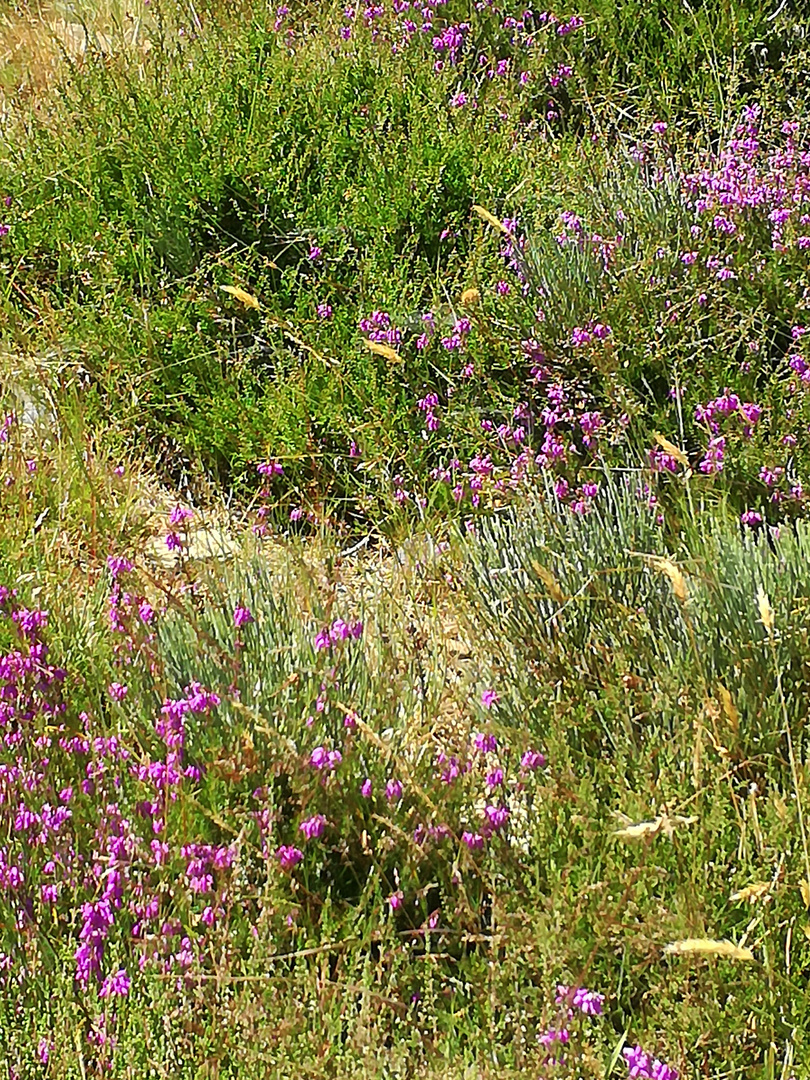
point(288, 856)
point(588, 1002)
point(29, 623)
point(660, 461)
point(313, 827)
point(393, 791)
point(585, 335)
point(485, 743)
point(324, 760)
point(379, 328)
point(180, 514)
point(116, 985)
point(242, 617)
point(714, 457)
point(532, 760)
point(497, 817)
point(270, 468)
point(339, 631)
point(474, 841)
point(642, 1067)
point(117, 565)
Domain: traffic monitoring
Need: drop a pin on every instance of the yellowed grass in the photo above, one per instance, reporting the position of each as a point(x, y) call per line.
point(39, 41)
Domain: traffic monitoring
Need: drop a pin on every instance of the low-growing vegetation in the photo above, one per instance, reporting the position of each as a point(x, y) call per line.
point(404, 593)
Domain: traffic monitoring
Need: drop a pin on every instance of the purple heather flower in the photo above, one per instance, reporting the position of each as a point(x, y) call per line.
point(241, 617)
point(554, 1036)
point(180, 514)
point(484, 744)
point(324, 311)
point(393, 790)
point(474, 841)
point(270, 468)
point(312, 828)
point(532, 760)
point(713, 459)
point(497, 816)
point(642, 1067)
point(325, 760)
point(490, 698)
point(289, 856)
point(588, 1001)
point(366, 788)
point(395, 900)
point(118, 564)
point(116, 985)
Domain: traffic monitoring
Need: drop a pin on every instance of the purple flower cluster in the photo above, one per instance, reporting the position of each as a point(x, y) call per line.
point(378, 327)
point(289, 857)
point(242, 617)
point(727, 405)
point(313, 827)
point(586, 1001)
point(642, 1067)
point(325, 761)
point(338, 632)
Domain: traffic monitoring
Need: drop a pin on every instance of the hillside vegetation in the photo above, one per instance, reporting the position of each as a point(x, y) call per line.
point(404, 591)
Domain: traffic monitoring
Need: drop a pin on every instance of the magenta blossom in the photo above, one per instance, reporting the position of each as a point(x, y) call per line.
point(312, 828)
point(241, 617)
point(289, 856)
point(337, 632)
point(393, 790)
point(270, 468)
point(179, 515)
point(474, 841)
point(485, 744)
point(642, 1067)
point(495, 778)
point(325, 760)
point(116, 985)
point(588, 1002)
point(532, 760)
point(497, 816)
point(490, 698)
